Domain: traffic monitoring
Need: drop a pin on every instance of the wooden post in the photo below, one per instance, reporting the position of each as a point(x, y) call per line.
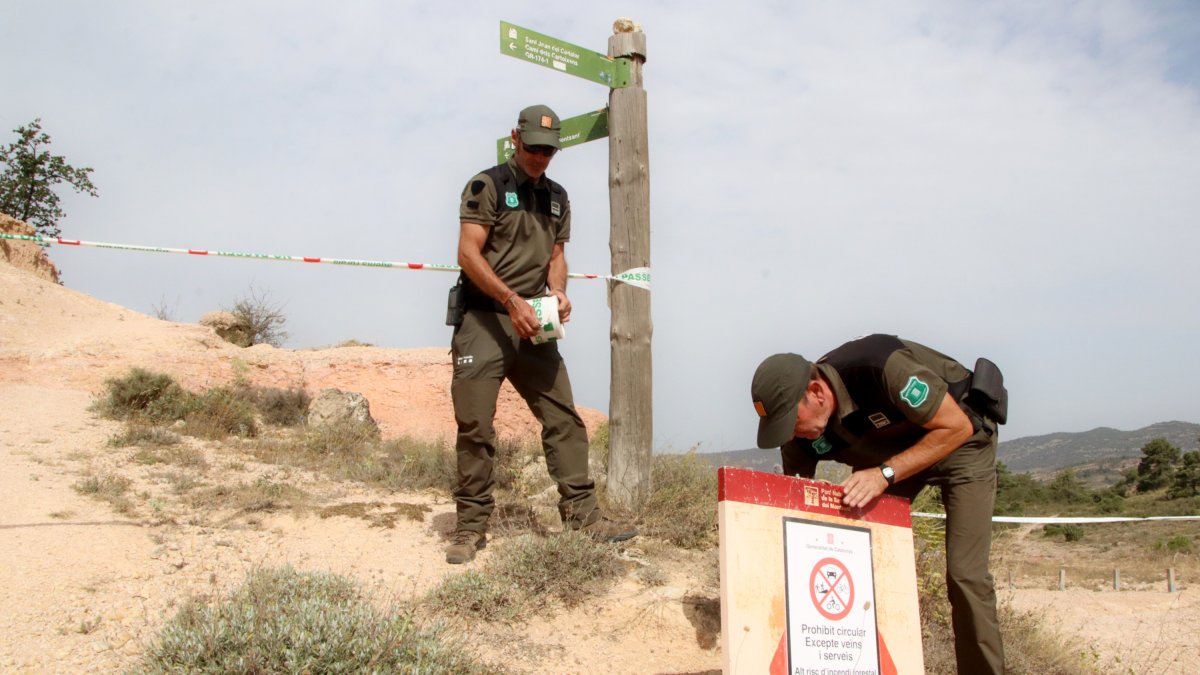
point(1170, 579)
point(1062, 578)
point(630, 397)
point(1116, 579)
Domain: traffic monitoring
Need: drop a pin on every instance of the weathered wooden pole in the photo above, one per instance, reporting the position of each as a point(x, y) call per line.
point(630, 397)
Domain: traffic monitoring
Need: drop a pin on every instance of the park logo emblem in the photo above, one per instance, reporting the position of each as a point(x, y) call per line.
point(915, 392)
point(822, 445)
point(510, 198)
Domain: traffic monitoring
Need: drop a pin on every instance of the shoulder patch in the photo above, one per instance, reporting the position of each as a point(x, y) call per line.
point(472, 204)
point(915, 392)
point(476, 187)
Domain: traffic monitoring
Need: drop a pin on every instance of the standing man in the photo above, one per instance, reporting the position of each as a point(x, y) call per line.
point(903, 416)
point(515, 223)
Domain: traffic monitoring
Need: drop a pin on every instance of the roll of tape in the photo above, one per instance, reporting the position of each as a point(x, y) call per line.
point(546, 308)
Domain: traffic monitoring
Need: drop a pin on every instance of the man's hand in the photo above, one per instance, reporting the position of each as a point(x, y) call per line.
point(564, 305)
point(862, 487)
point(524, 319)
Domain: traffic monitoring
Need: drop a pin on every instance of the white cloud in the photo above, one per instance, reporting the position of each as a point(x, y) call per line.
point(1015, 181)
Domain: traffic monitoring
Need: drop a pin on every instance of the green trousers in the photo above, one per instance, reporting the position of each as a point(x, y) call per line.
point(486, 351)
point(967, 479)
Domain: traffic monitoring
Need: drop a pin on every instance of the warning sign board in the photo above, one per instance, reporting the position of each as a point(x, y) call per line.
point(809, 587)
point(830, 597)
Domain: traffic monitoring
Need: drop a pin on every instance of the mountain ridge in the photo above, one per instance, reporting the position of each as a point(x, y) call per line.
point(1102, 450)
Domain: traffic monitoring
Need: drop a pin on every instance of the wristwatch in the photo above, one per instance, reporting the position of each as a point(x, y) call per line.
point(889, 474)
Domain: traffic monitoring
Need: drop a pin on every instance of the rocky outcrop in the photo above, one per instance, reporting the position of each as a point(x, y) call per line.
point(333, 407)
point(25, 255)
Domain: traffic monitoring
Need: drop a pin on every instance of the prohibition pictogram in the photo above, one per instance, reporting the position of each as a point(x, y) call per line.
point(831, 589)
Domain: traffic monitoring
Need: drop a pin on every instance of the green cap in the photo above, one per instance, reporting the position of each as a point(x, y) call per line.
point(778, 385)
point(538, 125)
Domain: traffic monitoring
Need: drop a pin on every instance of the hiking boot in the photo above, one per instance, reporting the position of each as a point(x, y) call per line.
point(465, 545)
point(609, 531)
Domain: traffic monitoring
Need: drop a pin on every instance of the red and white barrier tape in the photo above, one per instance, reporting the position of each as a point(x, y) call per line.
point(638, 276)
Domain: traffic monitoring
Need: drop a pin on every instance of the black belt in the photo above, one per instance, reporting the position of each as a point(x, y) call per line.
point(484, 304)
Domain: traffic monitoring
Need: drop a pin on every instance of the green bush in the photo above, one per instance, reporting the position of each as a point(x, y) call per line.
point(283, 621)
point(1068, 532)
point(1177, 544)
point(142, 394)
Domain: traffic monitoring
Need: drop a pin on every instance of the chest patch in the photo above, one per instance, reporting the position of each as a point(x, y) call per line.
point(821, 445)
point(510, 198)
point(915, 392)
point(879, 420)
point(556, 208)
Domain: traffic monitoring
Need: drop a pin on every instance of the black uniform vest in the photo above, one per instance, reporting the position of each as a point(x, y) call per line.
point(860, 364)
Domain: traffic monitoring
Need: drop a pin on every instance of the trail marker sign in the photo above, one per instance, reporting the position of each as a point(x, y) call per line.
point(575, 130)
point(543, 50)
point(811, 588)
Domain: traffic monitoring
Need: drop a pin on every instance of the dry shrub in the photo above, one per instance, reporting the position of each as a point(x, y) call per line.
point(529, 573)
point(682, 506)
point(283, 621)
point(282, 407)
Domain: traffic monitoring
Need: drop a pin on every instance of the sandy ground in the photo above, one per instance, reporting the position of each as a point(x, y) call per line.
point(86, 587)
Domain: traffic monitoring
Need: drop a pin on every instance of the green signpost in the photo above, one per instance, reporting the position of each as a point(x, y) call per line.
point(543, 50)
point(575, 130)
point(630, 400)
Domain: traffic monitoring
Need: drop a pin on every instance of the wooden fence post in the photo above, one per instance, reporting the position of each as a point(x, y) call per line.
point(630, 396)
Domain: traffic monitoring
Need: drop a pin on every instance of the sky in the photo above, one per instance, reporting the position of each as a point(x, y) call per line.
point(1018, 181)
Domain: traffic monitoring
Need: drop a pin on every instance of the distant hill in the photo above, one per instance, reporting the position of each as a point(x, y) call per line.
point(1100, 453)
point(1100, 445)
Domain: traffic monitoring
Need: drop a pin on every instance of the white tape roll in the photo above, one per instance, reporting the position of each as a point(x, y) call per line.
point(546, 309)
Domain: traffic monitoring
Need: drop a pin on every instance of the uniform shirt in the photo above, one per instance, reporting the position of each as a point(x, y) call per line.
point(886, 388)
point(524, 220)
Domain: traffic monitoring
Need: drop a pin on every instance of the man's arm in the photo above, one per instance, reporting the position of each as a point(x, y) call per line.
point(557, 280)
point(948, 429)
point(471, 239)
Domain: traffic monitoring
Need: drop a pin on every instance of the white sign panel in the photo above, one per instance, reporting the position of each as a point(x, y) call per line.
point(830, 599)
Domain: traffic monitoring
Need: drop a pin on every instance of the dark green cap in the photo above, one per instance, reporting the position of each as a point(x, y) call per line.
point(538, 125)
point(778, 385)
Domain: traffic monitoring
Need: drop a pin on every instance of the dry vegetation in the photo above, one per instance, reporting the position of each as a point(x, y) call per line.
point(222, 457)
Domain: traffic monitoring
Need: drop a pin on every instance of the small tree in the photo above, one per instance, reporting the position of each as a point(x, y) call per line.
point(1187, 478)
point(29, 176)
point(1066, 488)
point(262, 317)
point(1157, 467)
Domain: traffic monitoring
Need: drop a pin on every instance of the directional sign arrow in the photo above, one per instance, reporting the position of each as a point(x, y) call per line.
point(575, 130)
point(543, 50)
